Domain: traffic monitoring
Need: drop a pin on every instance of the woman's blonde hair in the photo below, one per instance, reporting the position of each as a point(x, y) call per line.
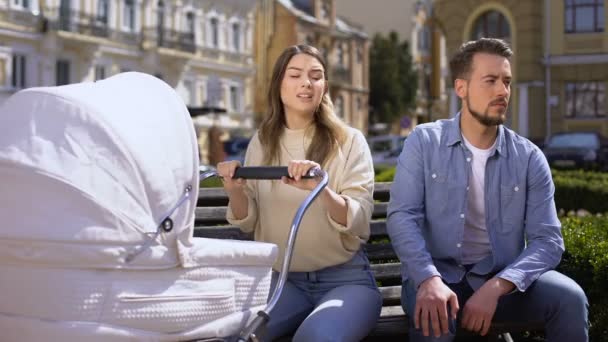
point(330, 131)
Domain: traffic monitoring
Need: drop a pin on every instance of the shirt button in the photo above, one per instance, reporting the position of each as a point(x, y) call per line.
point(516, 188)
point(461, 215)
point(434, 175)
point(469, 159)
point(467, 188)
point(458, 245)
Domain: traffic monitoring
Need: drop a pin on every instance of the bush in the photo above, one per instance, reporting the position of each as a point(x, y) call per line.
point(579, 189)
point(586, 261)
point(386, 176)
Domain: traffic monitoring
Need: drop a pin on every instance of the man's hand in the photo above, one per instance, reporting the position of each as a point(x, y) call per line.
point(432, 301)
point(480, 308)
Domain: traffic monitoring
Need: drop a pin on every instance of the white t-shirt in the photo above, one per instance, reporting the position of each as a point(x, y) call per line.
point(476, 242)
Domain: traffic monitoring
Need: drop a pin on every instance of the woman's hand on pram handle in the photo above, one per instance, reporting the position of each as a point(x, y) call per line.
point(226, 171)
point(299, 174)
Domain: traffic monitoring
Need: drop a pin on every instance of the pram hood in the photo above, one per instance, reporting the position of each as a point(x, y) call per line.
point(88, 171)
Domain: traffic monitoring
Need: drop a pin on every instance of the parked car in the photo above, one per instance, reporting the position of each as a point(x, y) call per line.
point(386, 149)
point(587, 150)
point(235, 148)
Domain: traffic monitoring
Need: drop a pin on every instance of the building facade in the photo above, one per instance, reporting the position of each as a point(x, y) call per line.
point(203, 48)
point(560, 62)
point(282, 23)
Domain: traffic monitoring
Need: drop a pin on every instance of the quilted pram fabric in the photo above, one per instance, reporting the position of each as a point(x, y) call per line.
point(88, 173)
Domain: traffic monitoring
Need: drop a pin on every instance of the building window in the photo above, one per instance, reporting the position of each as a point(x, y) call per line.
point(25, 4)
point(128, 15)
point(325, 9)
point(190, 23)
point(160, 23)
point(491, 24)
point(340, 53)
point(103, 11)
point(215, 32)
point(339, 106)
point(100, 72)
point(584, 16)
point(359, 53)
point(585, 99)
point(234, 98)
point(359, 104)
point(19, 71)
point(236, 36)
point(424, 39)
point(62, 72)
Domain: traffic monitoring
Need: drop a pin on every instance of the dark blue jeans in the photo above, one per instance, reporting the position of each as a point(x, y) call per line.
point(553, 298)
point(338, 303)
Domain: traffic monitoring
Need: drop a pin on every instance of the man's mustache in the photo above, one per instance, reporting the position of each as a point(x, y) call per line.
point(499, 102)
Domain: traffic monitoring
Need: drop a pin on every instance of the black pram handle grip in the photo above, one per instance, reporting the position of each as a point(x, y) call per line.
point(265, 172)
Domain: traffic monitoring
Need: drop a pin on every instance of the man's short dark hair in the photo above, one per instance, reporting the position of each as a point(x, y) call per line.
point(462, 61)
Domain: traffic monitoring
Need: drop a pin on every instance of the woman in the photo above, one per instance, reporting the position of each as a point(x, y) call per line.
point(331, 294)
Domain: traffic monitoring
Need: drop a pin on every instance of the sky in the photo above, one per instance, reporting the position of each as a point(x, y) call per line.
point(379, 16)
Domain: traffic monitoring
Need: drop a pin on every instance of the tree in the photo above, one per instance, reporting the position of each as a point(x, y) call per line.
point(393, 82)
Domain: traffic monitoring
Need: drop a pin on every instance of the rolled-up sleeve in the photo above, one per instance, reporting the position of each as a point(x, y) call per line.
point(545, 244)
point(357, 188)
point(406, 212)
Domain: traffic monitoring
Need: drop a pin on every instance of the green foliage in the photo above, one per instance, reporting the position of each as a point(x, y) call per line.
point(212, 182)
point(580, 189)
point(393, 81)
point(386, 175)
point(586, 261)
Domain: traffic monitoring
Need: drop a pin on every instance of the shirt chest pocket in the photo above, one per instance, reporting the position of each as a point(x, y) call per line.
point(437, 187)
point(512, 206)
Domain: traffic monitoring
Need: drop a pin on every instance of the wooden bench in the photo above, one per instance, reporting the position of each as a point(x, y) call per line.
point(392, 325)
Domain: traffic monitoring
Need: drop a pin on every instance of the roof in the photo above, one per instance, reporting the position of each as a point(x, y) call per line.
point(302, 9)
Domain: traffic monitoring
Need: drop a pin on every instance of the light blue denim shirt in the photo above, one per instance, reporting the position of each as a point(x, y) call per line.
point(429, 202)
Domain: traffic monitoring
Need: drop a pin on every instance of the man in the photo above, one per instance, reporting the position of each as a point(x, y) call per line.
point(473, 220)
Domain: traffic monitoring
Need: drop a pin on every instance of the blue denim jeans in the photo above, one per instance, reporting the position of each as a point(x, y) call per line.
point(338, 303)
point(553, 299)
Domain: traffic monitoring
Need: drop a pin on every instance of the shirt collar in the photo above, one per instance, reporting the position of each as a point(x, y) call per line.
point(454, 135)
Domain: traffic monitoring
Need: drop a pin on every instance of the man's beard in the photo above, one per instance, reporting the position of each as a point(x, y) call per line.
point(485, 119)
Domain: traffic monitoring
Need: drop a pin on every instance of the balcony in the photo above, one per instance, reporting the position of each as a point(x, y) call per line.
point(176, 40)
point(340, 74)
point(89, 25)
point(22, 17)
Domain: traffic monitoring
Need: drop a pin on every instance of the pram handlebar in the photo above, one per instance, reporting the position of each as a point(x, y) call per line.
point(265, 172)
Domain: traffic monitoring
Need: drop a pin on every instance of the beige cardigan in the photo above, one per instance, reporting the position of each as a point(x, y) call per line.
point(321, 241)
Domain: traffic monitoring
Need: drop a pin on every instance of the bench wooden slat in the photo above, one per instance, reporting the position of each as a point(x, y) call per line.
point(218, 197)
point(219, 231)
point(380, 252)
point(388, 271)
point(214, 215)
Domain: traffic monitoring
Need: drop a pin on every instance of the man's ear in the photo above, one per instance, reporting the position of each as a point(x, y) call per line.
point(460, 87)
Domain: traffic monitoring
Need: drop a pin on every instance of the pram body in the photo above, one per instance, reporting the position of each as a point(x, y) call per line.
point(87, 174)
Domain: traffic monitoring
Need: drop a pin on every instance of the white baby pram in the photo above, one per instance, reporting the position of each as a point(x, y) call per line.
point(98, 186)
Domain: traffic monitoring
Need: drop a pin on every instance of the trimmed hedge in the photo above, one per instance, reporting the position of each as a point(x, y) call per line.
point(579, 189)
point(586, 261)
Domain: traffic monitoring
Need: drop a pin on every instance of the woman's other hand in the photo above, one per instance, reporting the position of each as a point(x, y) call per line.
point(298, 169)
